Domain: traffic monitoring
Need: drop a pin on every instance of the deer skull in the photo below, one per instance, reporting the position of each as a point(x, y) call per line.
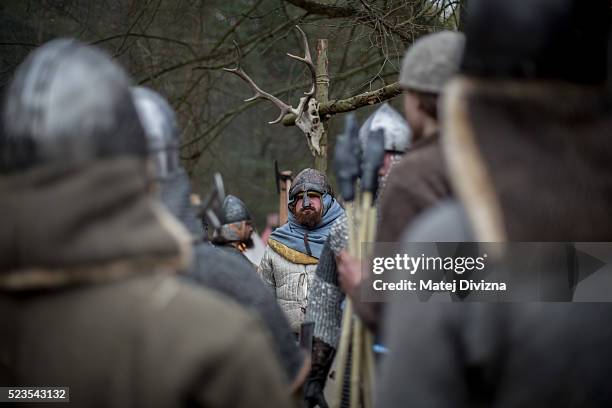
point(309, 122)
point(307, 112)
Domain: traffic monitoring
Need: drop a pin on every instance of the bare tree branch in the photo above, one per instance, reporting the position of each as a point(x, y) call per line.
point(224, 53)
point(334, 107)
point(152, 37)
point(326, 10)
point(235, 26)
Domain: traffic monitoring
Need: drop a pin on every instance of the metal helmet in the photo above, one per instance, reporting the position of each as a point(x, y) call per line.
point(161, 129)
point(70, 103)
point(234, 210)
point(564, 40)
point(309, 180)
point(395, 129)
point(431, 61)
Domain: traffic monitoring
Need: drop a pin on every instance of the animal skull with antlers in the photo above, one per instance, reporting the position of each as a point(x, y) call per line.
point(307, 111)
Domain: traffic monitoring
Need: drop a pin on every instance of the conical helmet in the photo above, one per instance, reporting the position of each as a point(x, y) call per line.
point(394, 126)
point(161, 128)
point(234, 210)
point(69, 103)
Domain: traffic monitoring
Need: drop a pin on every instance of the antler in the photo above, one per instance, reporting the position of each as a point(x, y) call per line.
point(308, 61)
point(261, 94)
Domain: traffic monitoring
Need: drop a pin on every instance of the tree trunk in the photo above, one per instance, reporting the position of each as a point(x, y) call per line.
point(322, 96)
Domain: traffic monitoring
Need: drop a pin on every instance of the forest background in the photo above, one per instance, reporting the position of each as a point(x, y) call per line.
point(179, 47)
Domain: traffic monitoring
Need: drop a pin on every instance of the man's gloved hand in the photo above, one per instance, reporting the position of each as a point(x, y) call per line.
point(322, 358)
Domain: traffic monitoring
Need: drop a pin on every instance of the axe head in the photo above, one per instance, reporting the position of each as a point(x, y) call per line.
point(211, 207)
point(373, 159)
point(347, 156)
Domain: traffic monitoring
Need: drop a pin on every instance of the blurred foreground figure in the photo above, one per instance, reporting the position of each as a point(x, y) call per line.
point(420, 179)
point(526, 137)
point(226, 272)
point(88, 293)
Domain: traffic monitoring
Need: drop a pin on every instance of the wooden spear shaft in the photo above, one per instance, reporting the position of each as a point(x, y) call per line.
point(363, 341)
point(347, 315)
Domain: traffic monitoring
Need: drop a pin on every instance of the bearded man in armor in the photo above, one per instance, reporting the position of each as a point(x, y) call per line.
point(293, 251)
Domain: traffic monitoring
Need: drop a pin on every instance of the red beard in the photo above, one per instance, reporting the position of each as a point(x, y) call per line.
point(308, 218)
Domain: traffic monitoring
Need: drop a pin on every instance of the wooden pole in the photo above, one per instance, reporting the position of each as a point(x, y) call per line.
point(322, 96)
point(285, 185)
